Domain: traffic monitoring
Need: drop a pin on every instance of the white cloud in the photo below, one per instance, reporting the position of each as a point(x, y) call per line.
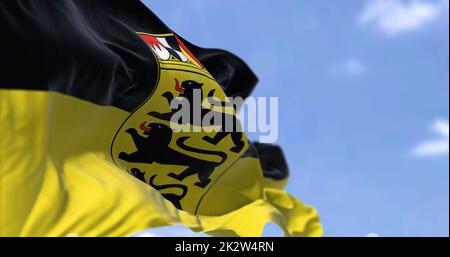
point(435, 147)
point(350, 67)
point(393, 17)
point(170, 231)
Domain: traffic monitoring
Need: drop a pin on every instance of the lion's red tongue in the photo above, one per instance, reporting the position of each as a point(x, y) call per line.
point(145, 128)
point(178, 87)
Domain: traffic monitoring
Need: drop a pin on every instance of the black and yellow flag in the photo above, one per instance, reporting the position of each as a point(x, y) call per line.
point(86, 142)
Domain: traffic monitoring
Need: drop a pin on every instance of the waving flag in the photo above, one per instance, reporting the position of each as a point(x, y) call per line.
point(87, 145)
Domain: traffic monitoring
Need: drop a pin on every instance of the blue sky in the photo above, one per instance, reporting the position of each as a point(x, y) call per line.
point(363, 88)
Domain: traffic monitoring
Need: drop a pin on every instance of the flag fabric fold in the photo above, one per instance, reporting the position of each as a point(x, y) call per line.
point(87, 143)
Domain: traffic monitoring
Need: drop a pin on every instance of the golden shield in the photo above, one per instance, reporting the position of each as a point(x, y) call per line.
point(182, 165)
